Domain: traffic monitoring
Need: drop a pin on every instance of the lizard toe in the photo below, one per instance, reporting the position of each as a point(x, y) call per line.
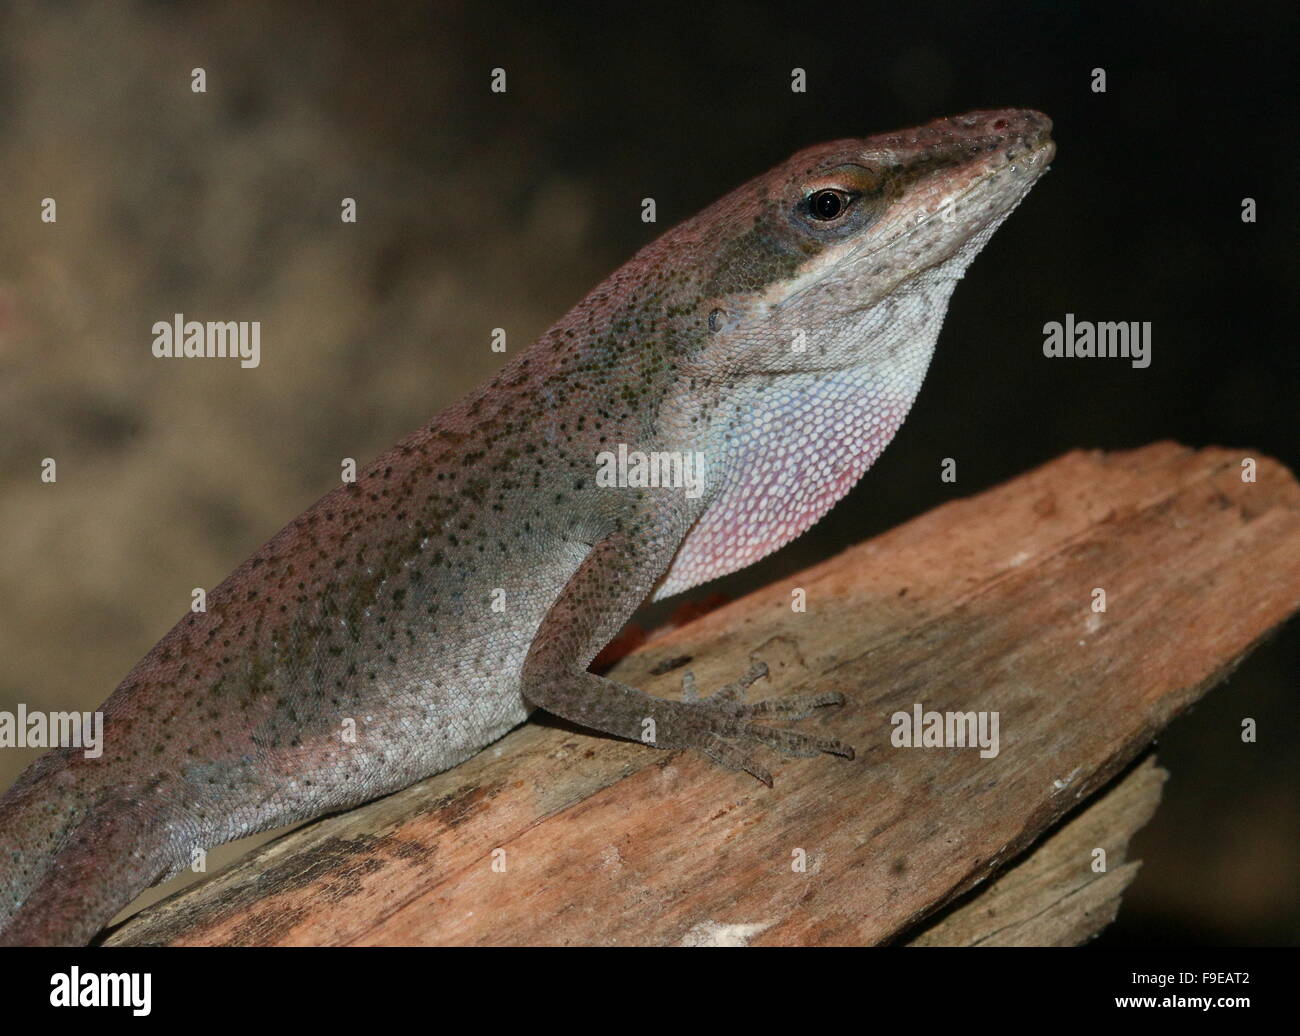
point(733, 757)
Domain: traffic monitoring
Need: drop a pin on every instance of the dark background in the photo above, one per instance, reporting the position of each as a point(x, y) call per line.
point(480, 210)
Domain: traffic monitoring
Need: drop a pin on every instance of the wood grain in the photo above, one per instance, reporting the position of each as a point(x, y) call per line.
point(982, 604)
point(1060, 894)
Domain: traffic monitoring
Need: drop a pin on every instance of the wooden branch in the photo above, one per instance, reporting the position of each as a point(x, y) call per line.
point(982, 604)
point(1052, 897)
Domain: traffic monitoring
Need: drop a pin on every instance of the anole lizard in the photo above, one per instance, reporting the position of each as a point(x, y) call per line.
point(782, 334)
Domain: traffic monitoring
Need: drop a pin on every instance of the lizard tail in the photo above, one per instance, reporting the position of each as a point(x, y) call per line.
point(72, 855)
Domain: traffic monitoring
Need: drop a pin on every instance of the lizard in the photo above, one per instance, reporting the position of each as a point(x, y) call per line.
point(781, 335)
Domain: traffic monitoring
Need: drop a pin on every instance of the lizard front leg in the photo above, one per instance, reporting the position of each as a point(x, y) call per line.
point(600, 596)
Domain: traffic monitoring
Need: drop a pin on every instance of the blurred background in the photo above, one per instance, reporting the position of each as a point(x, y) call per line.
point(478, 210)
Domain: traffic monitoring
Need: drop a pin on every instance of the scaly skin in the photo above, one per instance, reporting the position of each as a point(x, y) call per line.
point(376, 605)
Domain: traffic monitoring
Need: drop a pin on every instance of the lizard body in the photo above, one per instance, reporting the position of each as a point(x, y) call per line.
point(376, 604)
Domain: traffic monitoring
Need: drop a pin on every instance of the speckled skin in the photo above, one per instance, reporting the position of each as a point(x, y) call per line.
point(376, 605)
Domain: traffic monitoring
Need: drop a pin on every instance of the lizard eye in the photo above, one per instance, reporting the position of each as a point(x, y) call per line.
point(828, 204)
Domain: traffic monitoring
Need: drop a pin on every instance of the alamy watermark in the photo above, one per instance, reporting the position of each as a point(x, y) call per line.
point(215, 339)
point(637, 469)
point(36, 729)
point(1104, 339)
point(75, 988)
point(921, 729)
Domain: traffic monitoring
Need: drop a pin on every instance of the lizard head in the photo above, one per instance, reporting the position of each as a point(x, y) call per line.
point(848, 252)
point(818, 291)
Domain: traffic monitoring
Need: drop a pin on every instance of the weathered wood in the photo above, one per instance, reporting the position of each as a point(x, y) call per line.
point(1053, 896)
point(982, 604)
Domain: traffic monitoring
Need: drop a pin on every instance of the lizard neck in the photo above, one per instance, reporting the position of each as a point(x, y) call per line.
point(791, 445)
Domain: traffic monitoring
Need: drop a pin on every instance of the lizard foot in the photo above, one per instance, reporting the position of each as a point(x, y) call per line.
point(720, 724)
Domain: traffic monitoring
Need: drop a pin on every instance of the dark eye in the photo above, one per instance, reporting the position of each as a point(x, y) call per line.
point(828, 204)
